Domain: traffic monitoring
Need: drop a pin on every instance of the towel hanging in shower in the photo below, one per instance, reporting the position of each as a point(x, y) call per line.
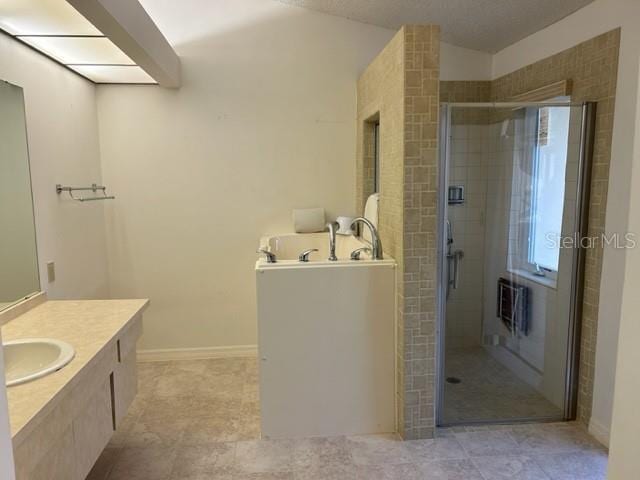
point(513, 306)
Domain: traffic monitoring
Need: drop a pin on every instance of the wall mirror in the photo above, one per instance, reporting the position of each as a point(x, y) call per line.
point(18, 256)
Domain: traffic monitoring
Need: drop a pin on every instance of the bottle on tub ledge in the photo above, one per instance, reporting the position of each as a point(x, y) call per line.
point(344, 225)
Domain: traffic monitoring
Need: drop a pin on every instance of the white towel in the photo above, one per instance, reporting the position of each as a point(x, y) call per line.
point(309, 220)
point(371, 214)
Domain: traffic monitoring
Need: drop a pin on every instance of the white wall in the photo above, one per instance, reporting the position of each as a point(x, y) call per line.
point(63, 148)
point(263, 123)
point(624, 459)
point(599, 17)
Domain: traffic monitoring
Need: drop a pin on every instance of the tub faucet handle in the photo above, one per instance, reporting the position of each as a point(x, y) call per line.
point(355, 255)
point(271, 257)
point(304, 256)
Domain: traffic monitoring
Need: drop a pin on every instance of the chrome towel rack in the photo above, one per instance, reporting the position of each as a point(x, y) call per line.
point(94, 188)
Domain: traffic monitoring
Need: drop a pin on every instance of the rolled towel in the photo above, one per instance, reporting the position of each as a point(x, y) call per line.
point(371, 214)
point(308, 220)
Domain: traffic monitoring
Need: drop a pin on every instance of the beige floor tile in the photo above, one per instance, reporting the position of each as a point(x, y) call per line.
point(200, 460)
point(104, 464)
point(439, 448)
point(488, 443)
point(148, 375)
point(553, 438)
point(461, 469)
point(212, 430)
point(590, 465)
point(509, 467)
point(265, 456)
point(406, 471)
point(321, 451)
point(143, 464)
point(331, 471)
point(378, 450)
point(264, 476)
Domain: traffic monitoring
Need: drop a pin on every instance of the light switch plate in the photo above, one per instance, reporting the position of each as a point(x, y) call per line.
point(51, 272)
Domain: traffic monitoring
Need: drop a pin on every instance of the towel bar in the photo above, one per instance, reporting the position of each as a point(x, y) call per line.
point(94, 188)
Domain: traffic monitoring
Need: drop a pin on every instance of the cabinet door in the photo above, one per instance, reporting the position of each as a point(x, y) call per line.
point(56, 462)
point(92, 429)
point(125, 382)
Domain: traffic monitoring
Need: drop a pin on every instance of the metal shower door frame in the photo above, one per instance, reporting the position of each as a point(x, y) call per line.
point(578, 261)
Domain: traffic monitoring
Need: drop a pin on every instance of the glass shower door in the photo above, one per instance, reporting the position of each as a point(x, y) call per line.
point(510, 272)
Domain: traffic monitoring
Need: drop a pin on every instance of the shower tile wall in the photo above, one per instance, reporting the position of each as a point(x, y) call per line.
point(468, 168)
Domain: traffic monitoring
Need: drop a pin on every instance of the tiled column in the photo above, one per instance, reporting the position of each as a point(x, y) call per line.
point(400, 90)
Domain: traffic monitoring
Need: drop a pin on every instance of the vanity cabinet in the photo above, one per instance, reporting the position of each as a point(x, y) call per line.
point(70, 438)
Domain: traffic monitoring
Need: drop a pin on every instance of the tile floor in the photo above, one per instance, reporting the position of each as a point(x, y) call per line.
point(489, 391)
point(197, 420)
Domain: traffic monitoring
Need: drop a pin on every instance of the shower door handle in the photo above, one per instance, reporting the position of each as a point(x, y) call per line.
point(454, 260)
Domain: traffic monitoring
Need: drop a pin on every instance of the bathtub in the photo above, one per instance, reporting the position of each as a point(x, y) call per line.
point(326, 339)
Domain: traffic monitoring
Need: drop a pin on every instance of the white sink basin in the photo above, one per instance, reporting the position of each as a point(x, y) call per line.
point(30, 358)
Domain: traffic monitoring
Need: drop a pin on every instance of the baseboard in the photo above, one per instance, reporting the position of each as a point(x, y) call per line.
point(599, 432)
point(160, 355)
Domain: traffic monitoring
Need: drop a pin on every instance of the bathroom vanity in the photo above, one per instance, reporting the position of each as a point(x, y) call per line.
point(60, 423)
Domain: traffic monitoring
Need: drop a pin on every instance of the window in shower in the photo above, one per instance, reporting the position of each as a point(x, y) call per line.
point(538, 190)
point(547, 187)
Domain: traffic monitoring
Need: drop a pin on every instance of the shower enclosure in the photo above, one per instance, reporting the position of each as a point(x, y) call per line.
point(512, 215)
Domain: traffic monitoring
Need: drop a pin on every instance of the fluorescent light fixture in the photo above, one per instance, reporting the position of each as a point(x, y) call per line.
point(59, 31)
point(80, 50)
point(43, 17)
point(113, 73)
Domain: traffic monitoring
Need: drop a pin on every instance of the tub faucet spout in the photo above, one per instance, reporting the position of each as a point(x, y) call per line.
point(376, 244)
point(332, 226)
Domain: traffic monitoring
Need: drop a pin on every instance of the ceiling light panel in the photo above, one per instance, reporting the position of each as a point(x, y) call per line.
point(43, 17)
point(114, 74)
point(59, 31)
point(80, 50)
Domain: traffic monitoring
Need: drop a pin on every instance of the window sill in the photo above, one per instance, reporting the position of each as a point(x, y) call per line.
point(545, 281)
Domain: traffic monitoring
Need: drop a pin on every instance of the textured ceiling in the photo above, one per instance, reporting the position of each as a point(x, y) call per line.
point(488, 25)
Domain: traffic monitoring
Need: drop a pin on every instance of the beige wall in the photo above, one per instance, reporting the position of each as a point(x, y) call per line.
point(263, 123)
point(400, 90)
point(62, 134)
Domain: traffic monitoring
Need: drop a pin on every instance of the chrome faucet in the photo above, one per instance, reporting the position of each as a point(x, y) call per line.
point(376, 244)
point(332, 226)
point(355, 255)
point(269, 256)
